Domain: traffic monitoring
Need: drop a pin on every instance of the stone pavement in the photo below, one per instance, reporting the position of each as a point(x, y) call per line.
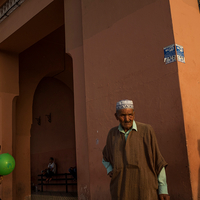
point(53, 196)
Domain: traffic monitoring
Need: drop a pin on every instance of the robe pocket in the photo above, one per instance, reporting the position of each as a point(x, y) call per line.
point(116, 183)
point(129, 166)
point(117, 173)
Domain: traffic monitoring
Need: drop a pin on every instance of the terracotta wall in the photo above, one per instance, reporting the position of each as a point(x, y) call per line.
point(16, 35)
point(117, 52)
point(74, 46)
point(185, 19)
point(31, 22)
point(8, 90)
point(26, 26)
point(123, 58)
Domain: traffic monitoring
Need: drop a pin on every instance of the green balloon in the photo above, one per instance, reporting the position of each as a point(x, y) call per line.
point(7, 164)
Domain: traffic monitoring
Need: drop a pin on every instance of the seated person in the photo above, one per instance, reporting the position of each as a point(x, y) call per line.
point(73, 172)
point(51, 170)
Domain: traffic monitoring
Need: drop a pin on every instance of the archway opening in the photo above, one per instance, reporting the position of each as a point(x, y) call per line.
point(46, 89)
point(52, 131)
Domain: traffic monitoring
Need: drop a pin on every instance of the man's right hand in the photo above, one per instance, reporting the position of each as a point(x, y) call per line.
point(110, 174)
point(164, 197)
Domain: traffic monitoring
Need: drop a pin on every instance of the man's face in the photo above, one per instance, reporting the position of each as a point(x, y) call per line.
point(125, 117)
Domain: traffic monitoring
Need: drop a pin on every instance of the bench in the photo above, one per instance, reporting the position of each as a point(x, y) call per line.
point(63, 179)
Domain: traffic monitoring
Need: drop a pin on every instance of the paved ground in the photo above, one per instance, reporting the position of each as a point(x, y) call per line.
point(53, 196)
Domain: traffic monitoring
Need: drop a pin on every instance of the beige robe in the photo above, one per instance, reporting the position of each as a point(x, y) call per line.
point(136, 163)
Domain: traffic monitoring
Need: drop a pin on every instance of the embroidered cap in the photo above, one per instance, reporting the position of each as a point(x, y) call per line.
point(123, 104)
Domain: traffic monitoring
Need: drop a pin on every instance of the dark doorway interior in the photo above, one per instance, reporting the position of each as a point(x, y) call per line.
point(52, 129)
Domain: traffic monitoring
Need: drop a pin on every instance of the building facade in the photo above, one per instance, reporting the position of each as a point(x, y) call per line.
point(74, 60)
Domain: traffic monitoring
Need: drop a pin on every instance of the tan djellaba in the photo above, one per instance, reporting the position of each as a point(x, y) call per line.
point(136, 163)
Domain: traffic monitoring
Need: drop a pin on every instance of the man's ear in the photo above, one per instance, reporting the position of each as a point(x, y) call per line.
point(116, 116)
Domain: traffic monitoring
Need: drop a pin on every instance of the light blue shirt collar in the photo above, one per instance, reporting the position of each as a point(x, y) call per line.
point(134, 126)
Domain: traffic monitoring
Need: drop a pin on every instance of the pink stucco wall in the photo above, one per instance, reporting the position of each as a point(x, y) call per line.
point(117, 52)
point(8, 91)
point(123, 58)
point(185, 20)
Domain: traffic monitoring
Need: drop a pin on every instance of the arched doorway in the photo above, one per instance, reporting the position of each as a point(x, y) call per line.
point(52, 132)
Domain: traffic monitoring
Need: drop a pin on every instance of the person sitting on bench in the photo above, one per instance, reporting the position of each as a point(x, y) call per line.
point(51, 170)
point(73, 172)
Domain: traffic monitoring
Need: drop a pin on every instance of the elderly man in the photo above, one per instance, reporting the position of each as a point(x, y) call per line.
point(133, 160)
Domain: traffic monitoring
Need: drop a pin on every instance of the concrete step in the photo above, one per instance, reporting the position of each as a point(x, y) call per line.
point(52, 195)
point(47, 197)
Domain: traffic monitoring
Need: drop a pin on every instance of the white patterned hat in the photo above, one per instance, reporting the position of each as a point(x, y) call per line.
point(123, 104)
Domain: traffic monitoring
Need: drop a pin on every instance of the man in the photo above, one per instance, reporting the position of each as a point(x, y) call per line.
point(51, 170)
point(133, 160)
point(73, 172)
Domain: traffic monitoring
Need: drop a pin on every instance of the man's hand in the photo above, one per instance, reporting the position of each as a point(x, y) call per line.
point(164, 197)
point(110, 174)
